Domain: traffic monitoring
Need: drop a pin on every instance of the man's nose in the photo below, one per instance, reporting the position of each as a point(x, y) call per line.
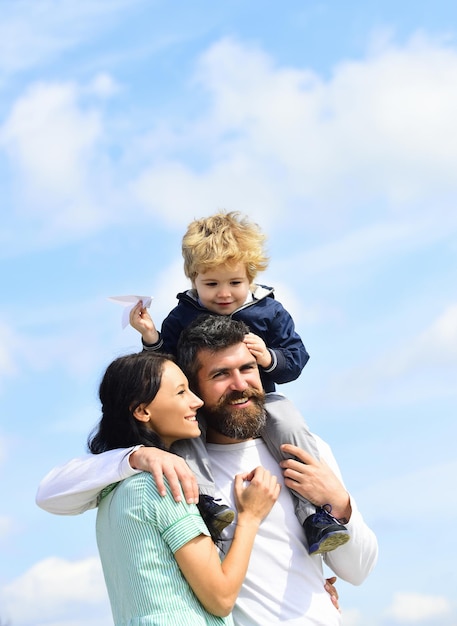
point(238, 382)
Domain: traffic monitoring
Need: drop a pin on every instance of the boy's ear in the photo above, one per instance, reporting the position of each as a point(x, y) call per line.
point(141, 413)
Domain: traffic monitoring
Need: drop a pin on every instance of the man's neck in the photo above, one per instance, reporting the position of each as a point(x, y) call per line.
point(213, 436)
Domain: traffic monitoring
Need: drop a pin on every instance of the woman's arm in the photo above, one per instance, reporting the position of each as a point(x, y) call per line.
point(217, 584)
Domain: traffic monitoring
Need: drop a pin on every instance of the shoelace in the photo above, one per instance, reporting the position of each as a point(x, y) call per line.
point(323, 512)
point(210, 501)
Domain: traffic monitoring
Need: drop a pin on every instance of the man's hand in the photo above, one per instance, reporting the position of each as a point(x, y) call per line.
point(160, 463)
point(331, 590)
point(315, 481)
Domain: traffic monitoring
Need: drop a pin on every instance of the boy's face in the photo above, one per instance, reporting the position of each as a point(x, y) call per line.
point(223, 289)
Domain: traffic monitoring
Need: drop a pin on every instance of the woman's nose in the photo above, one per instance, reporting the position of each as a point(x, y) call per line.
point(196, 402)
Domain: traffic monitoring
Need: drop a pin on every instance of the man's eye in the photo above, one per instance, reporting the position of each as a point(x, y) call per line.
point(248, 368)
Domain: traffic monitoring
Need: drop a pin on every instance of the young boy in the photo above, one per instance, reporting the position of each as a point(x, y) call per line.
point(222, 255)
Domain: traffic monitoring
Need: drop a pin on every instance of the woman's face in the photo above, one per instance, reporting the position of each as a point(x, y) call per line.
point(172, 413)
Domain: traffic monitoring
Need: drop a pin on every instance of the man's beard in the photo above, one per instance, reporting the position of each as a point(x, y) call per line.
point(237, 423)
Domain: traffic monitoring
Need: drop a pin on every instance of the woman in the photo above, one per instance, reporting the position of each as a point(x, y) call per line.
point(160, 565)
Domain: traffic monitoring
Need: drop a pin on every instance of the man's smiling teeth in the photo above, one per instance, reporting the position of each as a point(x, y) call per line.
point(240, 401)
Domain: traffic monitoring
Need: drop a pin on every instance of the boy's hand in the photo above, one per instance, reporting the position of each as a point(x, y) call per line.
point(258, 349)
point(141, 321)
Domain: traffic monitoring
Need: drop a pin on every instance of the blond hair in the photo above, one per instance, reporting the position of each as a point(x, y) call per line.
point(223, 239)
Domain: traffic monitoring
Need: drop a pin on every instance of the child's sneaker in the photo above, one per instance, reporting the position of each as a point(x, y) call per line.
point(216, 516)
point(324, 532)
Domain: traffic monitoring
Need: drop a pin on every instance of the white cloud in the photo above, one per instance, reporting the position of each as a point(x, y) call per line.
point(173, 190)
point(104, 86)
point(50, 138)
point(352, 617)
point(32, 33)
point(6, 526)
point(375, 138)
point(3, 449)
point(422, 367)
point(270, 137)
point(412, 608)
point(411, 487)
point(438, 343)
point(435, 346)
point(78, 422)
point(56, 335)
point(54, 588)
point(365, 245)
point(8, 344)
point(167, 285)
point(75, 352)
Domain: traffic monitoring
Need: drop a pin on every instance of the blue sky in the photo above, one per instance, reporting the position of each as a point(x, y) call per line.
point(333, 125)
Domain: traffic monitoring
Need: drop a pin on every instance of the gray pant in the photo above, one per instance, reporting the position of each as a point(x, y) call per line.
point(284, 424)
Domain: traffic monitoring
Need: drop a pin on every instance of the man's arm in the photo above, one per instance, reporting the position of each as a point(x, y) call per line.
point(354, 561)
point(320, 481)
point(73, 488)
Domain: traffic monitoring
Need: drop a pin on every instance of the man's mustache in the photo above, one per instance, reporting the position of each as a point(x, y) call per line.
point(248, 394)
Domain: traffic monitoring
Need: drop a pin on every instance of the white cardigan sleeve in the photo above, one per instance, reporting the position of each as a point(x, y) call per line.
point(73, 488)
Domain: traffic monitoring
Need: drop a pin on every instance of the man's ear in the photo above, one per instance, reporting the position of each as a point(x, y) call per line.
point(141, 413)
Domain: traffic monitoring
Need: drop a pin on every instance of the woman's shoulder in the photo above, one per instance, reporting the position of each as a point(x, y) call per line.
point(140, 483)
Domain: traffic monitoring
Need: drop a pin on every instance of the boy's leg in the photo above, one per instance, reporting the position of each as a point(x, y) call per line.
point(193, 451)
point(285, 424)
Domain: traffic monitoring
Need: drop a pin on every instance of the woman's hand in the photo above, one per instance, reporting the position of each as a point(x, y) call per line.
point(332, 591)
point(256, 499)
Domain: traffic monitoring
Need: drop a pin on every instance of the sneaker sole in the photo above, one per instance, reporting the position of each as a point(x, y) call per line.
point(223, 520)
point(329, 543)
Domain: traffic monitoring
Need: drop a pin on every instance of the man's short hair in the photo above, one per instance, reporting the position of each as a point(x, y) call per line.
point(207, 332)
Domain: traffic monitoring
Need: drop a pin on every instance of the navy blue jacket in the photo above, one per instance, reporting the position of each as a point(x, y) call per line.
point(264, 315)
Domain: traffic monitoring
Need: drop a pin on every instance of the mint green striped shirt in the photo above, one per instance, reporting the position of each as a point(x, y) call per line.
point(138, 532)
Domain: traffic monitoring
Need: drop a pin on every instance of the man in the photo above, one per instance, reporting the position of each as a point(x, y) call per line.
point(284, 584)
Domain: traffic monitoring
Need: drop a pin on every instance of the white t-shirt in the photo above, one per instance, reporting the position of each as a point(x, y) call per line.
point(283, 583)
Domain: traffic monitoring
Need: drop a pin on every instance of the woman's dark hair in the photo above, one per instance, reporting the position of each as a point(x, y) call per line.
point(128, 382)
